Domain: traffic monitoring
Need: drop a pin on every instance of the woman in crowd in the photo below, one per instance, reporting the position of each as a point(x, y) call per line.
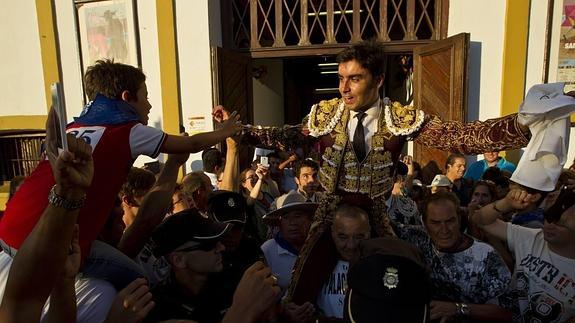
point(258, 201)
point(483, 193)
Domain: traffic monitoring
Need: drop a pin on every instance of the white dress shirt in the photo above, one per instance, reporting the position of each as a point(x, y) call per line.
point(370, 122)
point(213, 179)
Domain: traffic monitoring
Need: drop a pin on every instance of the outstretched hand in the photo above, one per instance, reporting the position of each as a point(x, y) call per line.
point(220, 114)
point(231, 123)
point(73, 168)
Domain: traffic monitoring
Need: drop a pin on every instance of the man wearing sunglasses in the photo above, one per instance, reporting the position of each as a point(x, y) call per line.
point(543, 283)
point(241, 250)
point(193, 246)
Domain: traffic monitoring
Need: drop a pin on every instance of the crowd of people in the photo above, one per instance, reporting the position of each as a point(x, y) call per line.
point(334, 224)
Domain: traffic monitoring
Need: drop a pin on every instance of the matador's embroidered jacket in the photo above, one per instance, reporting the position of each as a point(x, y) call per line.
point(340, 169)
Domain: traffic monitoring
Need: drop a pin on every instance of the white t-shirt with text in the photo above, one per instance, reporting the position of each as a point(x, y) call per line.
point(543, 284)
point(331, 299)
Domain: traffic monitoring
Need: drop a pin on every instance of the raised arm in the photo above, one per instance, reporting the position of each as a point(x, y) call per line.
point(473, 138)
point(255, 192)
point(408, 161)
point(291, 159)
point(153, 208)
point(201, 141)
point(63, 296)
point(487, 218)
point(283, 138)
point(230, 178)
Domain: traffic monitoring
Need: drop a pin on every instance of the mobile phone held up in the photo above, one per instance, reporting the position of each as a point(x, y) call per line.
point(264, 161)
point(59, 106)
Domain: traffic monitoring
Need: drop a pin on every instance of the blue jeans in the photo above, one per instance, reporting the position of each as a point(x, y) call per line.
point(110, 264)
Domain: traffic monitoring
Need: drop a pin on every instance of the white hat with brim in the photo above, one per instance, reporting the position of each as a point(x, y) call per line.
point(291, 201)
point(440, 180)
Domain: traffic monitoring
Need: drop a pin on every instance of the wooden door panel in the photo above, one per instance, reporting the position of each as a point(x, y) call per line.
point(232, 88)
point(232, 81)
point(440, 88)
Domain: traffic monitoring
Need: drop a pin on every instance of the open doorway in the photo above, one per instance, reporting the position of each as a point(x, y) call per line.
point(297, 83)
point(399, 78)
point(308, 80)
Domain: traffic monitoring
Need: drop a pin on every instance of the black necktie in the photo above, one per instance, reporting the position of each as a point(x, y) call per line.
point(359, 137)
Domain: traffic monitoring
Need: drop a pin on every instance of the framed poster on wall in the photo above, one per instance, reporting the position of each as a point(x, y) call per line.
point(566, 50)
point(559, 61)
point(108, 30)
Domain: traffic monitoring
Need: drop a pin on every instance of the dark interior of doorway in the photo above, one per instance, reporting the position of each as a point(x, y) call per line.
point(308, 80)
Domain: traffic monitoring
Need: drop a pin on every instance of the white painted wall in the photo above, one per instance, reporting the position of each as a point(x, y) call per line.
point(269, 93)
point(21, 75)
point(536, 43)
point(193, 37)
point(150, 60)
point(486, 24)
point(70, 58)
point(536, 50)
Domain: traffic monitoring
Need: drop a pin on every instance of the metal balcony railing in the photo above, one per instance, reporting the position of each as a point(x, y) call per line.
point(259, 24)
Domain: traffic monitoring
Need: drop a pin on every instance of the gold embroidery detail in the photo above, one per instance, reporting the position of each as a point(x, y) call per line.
point(324, 116)
point(373, 177)
point(403, 120)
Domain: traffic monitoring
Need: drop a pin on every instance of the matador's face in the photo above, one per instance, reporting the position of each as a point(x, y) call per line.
point(357, 86)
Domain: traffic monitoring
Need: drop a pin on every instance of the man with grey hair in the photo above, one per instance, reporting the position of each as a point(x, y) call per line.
point(350, 226)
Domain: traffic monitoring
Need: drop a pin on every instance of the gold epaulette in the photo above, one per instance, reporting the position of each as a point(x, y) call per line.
point(403, 120)
point(324, 116)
